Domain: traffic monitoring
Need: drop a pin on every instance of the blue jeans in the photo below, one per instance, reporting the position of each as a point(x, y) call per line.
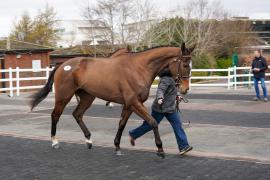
point(256, 86)
point(175, 122)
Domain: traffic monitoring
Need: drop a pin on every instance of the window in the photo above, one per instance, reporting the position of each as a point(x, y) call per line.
point(36, 65)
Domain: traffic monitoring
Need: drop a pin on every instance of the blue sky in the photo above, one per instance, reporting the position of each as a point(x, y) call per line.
point(11, 10)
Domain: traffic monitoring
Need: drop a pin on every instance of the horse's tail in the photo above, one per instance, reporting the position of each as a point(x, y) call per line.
point(43, 93)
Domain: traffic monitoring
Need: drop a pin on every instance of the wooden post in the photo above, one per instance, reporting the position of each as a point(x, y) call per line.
point(10, 82)
point(18, 81)
point(235, 78)
point(229, 78)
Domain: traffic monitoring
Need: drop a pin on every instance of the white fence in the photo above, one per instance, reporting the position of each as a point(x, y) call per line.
point(14, 79)
point(231, 79)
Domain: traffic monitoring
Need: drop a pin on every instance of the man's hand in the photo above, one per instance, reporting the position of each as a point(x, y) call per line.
point(160, 101)
point(178, 97)
point(256, 69)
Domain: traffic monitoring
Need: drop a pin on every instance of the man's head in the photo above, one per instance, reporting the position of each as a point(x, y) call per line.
point(165, 72)
point(258, 53)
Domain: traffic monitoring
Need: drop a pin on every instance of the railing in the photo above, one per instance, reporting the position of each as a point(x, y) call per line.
point(207, 84)
point(14, 82)
point(231, 79)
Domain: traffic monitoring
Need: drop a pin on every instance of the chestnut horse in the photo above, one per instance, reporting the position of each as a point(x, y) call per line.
point(114, 54)
point(125, 79)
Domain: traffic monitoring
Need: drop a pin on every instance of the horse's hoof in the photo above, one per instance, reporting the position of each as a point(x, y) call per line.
point(118, 153)
point(89, 145)
point(161, 154)
point(111, 105)
point(55, 146)
point(55, 143)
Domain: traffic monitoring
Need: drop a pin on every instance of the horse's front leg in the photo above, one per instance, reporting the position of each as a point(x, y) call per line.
point(122, 124)
point(141, 111)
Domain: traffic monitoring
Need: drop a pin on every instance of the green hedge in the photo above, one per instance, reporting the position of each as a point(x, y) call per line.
point(207, 62)
point(224, 63)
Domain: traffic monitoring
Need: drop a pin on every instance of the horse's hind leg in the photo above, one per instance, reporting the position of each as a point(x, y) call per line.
point(85, 102)
point(122, 124)
point(58, 110)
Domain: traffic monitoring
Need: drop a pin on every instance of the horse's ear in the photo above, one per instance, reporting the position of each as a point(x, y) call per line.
point(183, 47)
point(192, 48)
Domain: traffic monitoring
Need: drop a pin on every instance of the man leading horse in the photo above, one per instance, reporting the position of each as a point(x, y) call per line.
point(125, 79)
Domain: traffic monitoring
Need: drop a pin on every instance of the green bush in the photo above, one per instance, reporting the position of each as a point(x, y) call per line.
point(204, 61)
point(224, 63)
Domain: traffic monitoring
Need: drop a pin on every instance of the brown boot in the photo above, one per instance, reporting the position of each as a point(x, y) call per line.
point(132, 140)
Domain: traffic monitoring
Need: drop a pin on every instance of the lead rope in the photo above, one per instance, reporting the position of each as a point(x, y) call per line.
point(178, 101)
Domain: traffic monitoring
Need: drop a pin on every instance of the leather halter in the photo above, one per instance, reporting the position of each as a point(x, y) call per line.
point(180, 75)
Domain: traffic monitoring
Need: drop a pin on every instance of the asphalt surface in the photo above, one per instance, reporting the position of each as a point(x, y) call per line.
point(242, 119)
point(214, 96)
point(26, 159)
point(220, 96)
point(244, 137)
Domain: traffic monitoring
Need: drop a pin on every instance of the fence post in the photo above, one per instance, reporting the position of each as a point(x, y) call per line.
point(229, 78)
point(189, 80)
point(53, 89)
point(10, 82)
point(249, 80)
point(235, 78)
point(47, 72)
point(18, 81)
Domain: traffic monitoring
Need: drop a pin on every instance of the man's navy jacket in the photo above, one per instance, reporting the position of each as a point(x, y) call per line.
point(259, 62)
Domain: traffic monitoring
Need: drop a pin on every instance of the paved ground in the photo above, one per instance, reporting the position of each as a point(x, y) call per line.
point(215, 117)
point(34, 159)
point(229, 132)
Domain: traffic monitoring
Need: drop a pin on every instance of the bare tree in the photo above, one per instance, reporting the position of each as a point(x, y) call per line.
point(207, 25)
point(143, 18)
point(199, 24)
point(126, 10)
point(112, 16)
point(104, 11)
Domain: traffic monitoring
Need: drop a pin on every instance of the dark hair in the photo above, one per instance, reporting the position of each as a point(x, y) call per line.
point(259, 50)
point(165, 72)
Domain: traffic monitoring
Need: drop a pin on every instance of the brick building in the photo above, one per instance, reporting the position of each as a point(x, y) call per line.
point(23, 55)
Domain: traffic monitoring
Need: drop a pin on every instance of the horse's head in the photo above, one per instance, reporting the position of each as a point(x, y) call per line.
point(181, 68)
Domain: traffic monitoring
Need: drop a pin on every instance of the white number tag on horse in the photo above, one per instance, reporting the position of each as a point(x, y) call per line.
point(67, 68)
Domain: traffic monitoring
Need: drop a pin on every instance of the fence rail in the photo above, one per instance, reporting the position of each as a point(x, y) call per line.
point(14, 79)
point(233, 78)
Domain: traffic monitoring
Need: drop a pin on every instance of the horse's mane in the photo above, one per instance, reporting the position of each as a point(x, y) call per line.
point(155, 47)
point(147, 49)
point(116, 51)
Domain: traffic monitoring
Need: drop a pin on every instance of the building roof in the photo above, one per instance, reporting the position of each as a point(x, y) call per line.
point(14, 46)
point(84, 50)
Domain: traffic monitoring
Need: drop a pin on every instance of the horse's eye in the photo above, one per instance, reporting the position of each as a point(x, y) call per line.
point(186, 66)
